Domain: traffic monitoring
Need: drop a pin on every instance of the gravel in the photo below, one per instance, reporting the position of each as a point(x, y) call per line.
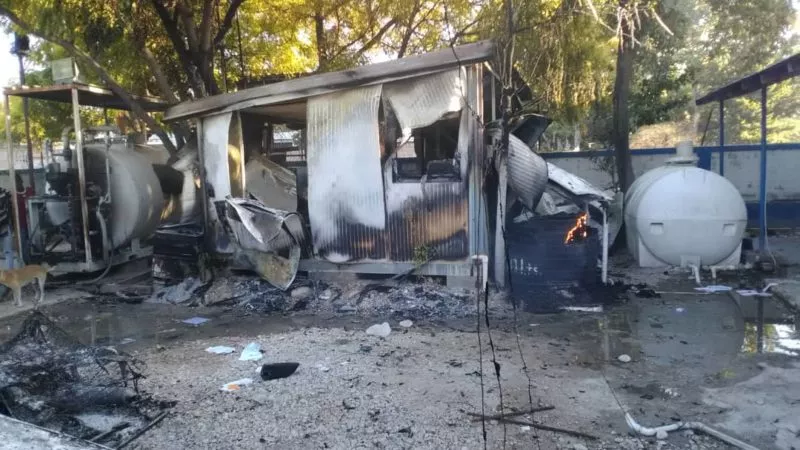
point(409, 390)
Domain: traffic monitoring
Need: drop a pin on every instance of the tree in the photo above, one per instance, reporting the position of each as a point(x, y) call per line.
point(54, 31)
point(185, 49)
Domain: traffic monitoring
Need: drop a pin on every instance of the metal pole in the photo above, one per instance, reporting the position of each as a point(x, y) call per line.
point(760, 326)
point(31, 178)
point(13, 183)
point(76, 117)
point(762, 195)
point(722, 137)
point(203, 190)
point(499, 237)
point(605, 246)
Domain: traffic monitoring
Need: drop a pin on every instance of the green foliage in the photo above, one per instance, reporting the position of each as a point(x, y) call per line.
point(716, 42)
point(564, 52)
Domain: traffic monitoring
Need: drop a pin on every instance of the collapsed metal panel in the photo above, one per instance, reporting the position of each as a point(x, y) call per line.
point(527, 172)
point(345, 189)
point(270, 239)
point(420, 102)
point(271, 183)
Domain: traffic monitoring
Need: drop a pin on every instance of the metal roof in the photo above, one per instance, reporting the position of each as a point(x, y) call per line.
point(299, 89)
point(780, 71)
point(88, 95)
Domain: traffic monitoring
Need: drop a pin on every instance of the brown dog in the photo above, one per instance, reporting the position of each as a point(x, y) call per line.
point(16, 279)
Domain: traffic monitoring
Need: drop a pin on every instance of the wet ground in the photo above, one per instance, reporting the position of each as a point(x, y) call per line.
point(692, 357)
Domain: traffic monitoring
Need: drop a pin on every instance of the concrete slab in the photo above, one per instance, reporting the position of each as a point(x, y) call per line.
point(18, 435)
point(787, 290)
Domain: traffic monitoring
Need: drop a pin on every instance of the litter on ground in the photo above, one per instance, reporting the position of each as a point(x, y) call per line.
point(251, 352)
point(236, 385)
point(220, 350)
point(195, 321)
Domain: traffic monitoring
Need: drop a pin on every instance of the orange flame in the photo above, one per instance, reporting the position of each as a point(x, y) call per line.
point(579, 230)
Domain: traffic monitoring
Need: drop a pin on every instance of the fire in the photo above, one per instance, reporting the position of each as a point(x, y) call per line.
point(580, 230)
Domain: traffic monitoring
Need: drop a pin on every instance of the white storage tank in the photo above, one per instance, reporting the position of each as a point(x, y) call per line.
point(679, 214)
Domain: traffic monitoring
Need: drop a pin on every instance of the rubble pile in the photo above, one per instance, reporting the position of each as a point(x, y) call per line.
point(53, 381)
point(415, 301)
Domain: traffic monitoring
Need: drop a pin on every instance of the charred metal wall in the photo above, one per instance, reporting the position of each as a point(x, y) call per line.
point(428, 219)
point(223, 164)
point(345, 191)
point(358, 211)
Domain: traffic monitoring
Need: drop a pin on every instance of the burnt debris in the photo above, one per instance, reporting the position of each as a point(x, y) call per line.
point(49, 379)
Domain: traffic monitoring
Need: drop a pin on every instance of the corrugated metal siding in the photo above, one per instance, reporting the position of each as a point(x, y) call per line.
point(426, 220)
point(345, 189)
point(527, 172)
point(429, 219)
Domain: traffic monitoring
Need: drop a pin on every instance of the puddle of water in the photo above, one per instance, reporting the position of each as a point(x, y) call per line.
point(770, 329)
point(777, 338)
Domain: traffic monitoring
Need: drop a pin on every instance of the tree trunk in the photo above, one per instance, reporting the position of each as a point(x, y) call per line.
point(319, 31)
point(621, 125)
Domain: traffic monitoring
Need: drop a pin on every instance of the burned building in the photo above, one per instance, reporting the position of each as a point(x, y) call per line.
point(381, 169)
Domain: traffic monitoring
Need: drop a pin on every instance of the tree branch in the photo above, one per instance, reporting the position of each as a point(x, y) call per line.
point(170, 24)
point(227, 21)
point(409, 30)
point(375, 39)
point(135, 107)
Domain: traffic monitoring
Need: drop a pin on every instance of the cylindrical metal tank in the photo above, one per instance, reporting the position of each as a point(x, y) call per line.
point(136, 196)
point(679, 214)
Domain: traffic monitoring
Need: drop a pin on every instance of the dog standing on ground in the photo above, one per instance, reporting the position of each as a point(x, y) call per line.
point(16, 279)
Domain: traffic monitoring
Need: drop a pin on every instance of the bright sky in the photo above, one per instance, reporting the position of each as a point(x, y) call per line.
point(9, 67)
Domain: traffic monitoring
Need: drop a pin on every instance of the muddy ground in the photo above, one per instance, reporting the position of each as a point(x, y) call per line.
point(692, 357)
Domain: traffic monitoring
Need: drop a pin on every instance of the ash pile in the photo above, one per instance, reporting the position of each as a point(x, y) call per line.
point(419, 300)
point(49, 379)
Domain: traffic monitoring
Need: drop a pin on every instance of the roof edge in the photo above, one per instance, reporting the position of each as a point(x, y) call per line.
point(304, 87)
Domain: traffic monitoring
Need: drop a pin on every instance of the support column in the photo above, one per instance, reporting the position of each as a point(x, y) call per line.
point(13, 184)
point(762, 181)
point(499, 238)
point(722, 138)
point(76, 118)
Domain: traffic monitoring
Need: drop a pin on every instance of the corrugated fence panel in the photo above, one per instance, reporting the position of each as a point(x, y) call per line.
point(345, 190)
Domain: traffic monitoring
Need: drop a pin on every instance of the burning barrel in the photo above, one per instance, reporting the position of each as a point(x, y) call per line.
point(552, 260)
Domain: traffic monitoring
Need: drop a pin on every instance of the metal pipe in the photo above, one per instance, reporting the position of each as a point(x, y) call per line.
point(760, 325)
point(698, 426)
point(203, 184)
point(108, 167)
point(762, 182)
point(76, 117)
point(722, 138)
point(26, 114)
point(605, 246)
point(106, 248)
point(13, 183)
point(65, 146)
